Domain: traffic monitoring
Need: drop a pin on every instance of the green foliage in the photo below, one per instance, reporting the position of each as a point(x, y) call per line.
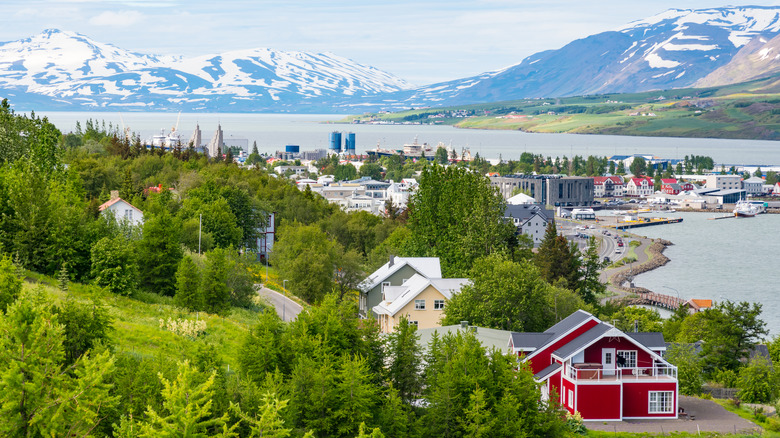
point(188, 281)
point(689, 371)
point(456, 215)
point(558, 260)
point(732, 331)
point(269, 423)
point(37, 396)
point(85, 326)
point(405, 368)
point(305, 257)
point(727, 378)
point(504, 295)
point(345, 172)
point(591, 286)
point(758, 381)
point(114, 265)
point(160, 251)
point(214, 288)
point(263, 350)
point(646, 320)
point(10, 283)
point(186, 408)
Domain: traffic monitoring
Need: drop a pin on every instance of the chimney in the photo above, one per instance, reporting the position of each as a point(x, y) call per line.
point(392, 260)
point(114, 194)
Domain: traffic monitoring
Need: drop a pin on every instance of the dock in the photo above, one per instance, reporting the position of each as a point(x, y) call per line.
point(659, 300)
point(646, 222)
point(725, 216)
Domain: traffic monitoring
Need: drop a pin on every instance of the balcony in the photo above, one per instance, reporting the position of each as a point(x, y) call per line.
point(589, 372)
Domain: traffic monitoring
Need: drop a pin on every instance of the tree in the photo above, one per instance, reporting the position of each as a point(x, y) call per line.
point(38, 397)
point(441, 156)
point(732, 332)
point(186, 408)
point(404, 351)
point(771, 178)
point(456, 215)
point(84, 327)
point(356, 396)
point(269, 423)
point(557, 259)
point(758, 173)
point(348, 273)
point(758, 381)
point(345, 172)
point(591, 286)
point(10, 283)
point(477, 421)
point(644, 320)
point(114, 265)
point(188, 285)
point(305, 257)
point(371, 170)
point(160, 250)
point(496, 282)
point(263, 349)
point(688, 363)
point(214, 289)
point(638, 166)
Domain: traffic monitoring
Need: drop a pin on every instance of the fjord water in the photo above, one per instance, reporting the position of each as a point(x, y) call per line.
point(273, 131)
point(717, 259)
point(728, 259)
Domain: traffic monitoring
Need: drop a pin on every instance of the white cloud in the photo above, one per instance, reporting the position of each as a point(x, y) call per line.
point(119, 19)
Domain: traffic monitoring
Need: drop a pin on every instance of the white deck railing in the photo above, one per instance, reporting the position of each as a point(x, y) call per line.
point(659, 372)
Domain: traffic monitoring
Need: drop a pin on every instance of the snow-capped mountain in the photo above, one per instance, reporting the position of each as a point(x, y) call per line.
point(669, 50)
point(757, 59)
point(71, 71)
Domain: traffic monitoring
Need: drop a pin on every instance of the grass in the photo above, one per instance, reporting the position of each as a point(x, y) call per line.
point(750, 415)
point(136, 321)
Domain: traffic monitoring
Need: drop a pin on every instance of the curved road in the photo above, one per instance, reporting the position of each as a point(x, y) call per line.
point(286, 308)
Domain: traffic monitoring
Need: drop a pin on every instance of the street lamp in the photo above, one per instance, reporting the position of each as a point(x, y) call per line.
point(675, 291)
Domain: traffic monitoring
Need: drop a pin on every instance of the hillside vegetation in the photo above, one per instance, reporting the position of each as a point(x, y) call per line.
point(748, 110)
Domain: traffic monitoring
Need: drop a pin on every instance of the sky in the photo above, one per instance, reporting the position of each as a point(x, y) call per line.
point(421, 41)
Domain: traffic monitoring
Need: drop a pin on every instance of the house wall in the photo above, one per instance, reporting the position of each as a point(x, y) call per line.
point(542, 360)
point(427, 318)
point(636, 399)
point(599, 402)
point(374, 296)
point(593, 353)
point(566, 386)
point(554, 384)
point(120, 207)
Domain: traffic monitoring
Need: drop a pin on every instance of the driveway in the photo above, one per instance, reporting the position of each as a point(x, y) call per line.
point(708, 417)
point(286, 308)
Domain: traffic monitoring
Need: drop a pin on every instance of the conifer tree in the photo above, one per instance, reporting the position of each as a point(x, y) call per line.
point(405, 367)
point(188, 285)
point(160, 250)
point(10, 283)
point(216, 293)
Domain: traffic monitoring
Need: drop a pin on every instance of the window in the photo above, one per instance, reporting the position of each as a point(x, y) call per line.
point(661, 402)
point(414, 323)
point(438, 304)
point(571, 399)
point(628, 358)
point(129, 214)
point(419, 304)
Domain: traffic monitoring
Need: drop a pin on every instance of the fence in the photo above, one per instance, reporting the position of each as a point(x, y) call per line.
point(722, 393)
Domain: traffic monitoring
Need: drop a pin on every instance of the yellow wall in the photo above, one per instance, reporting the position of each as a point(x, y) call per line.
point(427, 318)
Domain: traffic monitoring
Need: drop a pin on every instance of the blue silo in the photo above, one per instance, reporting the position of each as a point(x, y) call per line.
point(350, 144)
point(292, 149)
point(335, 141)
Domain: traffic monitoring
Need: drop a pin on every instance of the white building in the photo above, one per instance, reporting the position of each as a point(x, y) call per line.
point(640, 187)
point(753, 186)
point(724, 182)
point(123, 210)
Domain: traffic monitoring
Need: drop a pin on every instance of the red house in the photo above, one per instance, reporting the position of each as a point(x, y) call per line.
point(600, 371)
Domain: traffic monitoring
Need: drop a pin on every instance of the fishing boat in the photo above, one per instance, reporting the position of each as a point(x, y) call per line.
point(745, 209)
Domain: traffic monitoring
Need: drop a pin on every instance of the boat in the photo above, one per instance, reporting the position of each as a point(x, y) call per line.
point(745, 209)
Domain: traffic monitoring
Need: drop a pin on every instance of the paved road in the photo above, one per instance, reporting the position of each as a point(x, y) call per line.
point(286, 308)
point(709, 417)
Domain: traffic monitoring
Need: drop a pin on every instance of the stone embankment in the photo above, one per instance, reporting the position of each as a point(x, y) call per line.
point(656, 260)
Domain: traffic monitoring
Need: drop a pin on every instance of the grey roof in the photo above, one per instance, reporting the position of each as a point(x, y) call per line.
point(526, 211)
point(651, 340)
point(569, 323)
point(528, 341)
point(582, 340)
point(489, 338)
point(547, 372)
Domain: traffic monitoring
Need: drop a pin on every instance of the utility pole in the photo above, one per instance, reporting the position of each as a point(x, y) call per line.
point(200, 227)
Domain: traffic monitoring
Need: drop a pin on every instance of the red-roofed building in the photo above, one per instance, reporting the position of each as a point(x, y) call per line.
point(601, 372)
point(608, 186)
point(640, 187)
point(670, 186)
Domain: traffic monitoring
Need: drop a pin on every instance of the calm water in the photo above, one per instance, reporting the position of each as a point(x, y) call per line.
point(273, 131)
point(727, 259)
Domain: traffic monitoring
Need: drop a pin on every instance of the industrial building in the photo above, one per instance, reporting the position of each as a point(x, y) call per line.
point(552, 190)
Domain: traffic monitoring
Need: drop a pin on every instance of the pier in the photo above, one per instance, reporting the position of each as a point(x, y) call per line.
point(658, 300)
point(646, 222)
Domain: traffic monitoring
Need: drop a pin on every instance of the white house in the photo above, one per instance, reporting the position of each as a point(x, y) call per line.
point(123, 210)
point(640, 187)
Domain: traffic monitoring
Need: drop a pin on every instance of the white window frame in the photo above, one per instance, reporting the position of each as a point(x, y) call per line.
point(626, 354)
point(660, 402)
point(438, 304)
point(419, 304)
point(571, 399)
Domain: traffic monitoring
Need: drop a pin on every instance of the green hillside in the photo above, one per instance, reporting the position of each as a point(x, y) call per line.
point(748, 110)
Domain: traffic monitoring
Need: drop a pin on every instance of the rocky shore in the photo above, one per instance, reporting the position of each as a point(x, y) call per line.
point(656, 259)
